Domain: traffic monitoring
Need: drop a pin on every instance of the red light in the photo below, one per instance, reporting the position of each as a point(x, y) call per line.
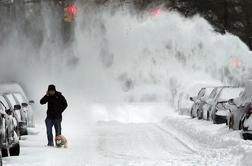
point(157, 12)
point(72, 10)
point(235, 62)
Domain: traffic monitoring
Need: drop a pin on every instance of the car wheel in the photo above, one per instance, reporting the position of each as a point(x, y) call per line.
point(231, 123)
point(25, 132)
point(214, 118)
point(192, 116)
point(199, 114)
point(214, 122)
point(241, 123)
point(245, 136)
point(4, 152)
point(220, 119)
point(208, 115)
point(15, 150)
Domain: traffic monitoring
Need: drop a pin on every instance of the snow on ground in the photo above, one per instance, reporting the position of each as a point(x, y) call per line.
point(176, 140)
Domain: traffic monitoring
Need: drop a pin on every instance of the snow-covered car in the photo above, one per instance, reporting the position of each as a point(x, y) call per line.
point(220, 109)
point(238, 107)
point(19, 105)
point(246, 123)
point(20, 113)
point(234, 118)
point(8, 124)
point(15, 108)
point(182, 99)
point(20, 98)
point(184, 104)
point(199, 101)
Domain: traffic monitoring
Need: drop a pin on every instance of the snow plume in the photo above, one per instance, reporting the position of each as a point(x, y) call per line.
point(119, 55)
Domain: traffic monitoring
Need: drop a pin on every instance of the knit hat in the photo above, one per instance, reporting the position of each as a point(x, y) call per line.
point(51, 87)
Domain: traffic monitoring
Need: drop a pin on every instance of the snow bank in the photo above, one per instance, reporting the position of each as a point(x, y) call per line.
point(218, 144)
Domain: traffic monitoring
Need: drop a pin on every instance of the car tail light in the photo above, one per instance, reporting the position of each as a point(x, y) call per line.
point(249, 112)
point(72, 10)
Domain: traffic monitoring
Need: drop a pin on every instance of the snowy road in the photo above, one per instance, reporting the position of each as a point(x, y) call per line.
point(177, 140)
point(109, 143)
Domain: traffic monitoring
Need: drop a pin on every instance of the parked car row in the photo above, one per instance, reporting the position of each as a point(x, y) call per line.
point(182, 99)
point(225, 104)
point(16, 115)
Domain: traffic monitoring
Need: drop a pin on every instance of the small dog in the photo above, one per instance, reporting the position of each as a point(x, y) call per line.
point(61, 141)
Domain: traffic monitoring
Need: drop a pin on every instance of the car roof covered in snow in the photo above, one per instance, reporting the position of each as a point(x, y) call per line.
point(230, 93)
point(11, 87)
point(194, 88)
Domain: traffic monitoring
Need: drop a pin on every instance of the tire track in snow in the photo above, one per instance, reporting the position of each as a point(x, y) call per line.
point(136, 141)
point(175, 137)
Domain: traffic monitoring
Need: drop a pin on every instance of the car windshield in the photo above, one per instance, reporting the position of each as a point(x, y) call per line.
point(213, 93)
point(208, 91)
point(11, 99)
point(205, 92)
point(2, 99)
point(20, 98)
point(230, 93)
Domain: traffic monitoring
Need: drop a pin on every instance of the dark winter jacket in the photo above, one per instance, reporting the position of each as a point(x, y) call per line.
point(56, 105)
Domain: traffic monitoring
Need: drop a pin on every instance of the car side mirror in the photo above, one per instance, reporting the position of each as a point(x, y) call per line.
point(8, 111)
point(24, 105)
point(31, 102)
point(17, 107)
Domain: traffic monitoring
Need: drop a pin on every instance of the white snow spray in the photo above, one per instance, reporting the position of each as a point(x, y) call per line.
point(119, 56)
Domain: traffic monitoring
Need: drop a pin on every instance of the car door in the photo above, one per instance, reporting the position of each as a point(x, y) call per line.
point(4, 104)
point(206, 108)
point(9, 122)
point(12, 102)
point(214, 103)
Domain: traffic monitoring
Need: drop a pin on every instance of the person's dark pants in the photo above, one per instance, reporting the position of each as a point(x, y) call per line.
point(49, 125)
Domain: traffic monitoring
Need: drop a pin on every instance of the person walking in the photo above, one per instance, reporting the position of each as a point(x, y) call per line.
point(56, 105)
